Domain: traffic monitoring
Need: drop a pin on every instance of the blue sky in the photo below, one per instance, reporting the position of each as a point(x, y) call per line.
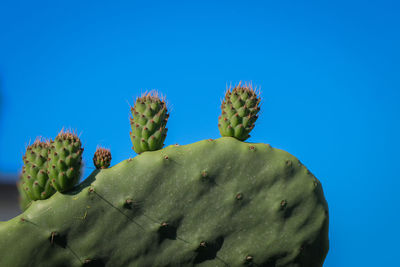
point(328, 73)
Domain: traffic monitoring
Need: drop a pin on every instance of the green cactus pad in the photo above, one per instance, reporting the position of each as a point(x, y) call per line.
point(148, 123)
point(239, 112)
point(212, 203)
point(35, 181)
point(102, 158)
point(65, 160)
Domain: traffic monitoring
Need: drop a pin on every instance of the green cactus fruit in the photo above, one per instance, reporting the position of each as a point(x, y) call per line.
point(102, 158)
point(148, 122)
point(214, 203)
point(239, 112)
point(65, 160)
point(35, 181)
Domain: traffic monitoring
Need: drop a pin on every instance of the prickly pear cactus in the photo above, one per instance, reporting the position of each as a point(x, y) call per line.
point(148, 122)
point(102, 158)
point(239, 112)
point(65, 160)
point(212, 203)
point(35, 181)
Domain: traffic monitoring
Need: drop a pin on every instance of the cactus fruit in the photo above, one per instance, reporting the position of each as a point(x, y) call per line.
point(65, 160)
point(148, 122)
point(35, 181)
point(102, 158)
point(212, 203)
point(239, 112)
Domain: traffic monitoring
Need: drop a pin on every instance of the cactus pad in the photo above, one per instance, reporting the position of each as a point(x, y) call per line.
point(65, 160)
point(34, 179)
point(212, 203)
point(239, 112)
point(102, 158)
point(148, 122)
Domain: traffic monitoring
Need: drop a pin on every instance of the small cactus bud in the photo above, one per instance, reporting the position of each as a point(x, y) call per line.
point(239, 111)
point(35, 171)
point(65, 161)
point(102, 158)
point(148, 122)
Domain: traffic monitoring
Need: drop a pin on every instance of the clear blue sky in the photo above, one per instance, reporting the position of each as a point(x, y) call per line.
point(328, 71)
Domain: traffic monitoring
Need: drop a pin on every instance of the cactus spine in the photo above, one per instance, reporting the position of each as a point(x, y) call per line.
point(102, 158)
point(239, 112)
point(148, 122)
point(34, 178)
point(65, 160)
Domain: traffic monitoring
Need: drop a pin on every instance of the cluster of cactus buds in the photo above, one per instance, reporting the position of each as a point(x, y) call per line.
point(149, 117)
point(51, 166)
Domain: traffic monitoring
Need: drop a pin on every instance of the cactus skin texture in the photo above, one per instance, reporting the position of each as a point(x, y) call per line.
point(148, 122)
point(102, 158)
point(239, 112)
point(34, 180)
point(212, 203)
point(65, 160)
